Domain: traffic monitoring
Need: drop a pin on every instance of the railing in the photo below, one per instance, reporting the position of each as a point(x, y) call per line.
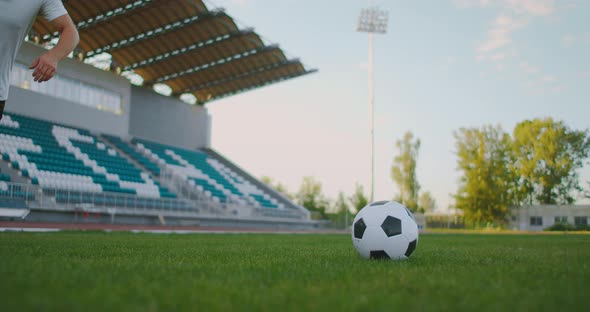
point(228, 207)
point(72, 198)
point(24, 193)
point(181, 187)
point(36, 197)
point(59, 199)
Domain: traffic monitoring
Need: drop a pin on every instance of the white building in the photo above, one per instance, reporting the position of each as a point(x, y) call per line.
point(537, 218)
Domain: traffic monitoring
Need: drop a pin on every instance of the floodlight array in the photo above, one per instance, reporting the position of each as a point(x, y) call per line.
point(373, 20)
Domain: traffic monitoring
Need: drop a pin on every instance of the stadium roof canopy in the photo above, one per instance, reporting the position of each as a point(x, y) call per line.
point(180, 43)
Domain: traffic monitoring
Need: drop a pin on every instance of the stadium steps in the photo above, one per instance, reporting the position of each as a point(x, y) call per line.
point(108, 140)
point(211, 177)
point(182, 187)
point(123, 153)
point(133, 154)
point(277, 195)
point(14, 174)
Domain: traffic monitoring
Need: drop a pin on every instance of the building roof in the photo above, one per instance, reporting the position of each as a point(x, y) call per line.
point(180, 43)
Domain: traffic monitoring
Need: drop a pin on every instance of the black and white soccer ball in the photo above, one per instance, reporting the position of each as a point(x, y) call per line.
point(385, 230)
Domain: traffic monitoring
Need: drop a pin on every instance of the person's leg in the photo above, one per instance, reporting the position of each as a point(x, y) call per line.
point(2, 103)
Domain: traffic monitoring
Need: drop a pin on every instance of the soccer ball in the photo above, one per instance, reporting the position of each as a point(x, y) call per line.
point(385, 230)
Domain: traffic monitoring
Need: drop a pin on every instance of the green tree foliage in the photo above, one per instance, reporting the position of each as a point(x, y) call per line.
point(403, 171)
point(278, 186)
point(311, 197)
point(547, 155)
point(341, 205)
point(358, 200)
point(486, 187)
point(340, 215)
point(426, 202)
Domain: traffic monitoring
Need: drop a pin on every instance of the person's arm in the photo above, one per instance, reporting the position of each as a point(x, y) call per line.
point(46, 64)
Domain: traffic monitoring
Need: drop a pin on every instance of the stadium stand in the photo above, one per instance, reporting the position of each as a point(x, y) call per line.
point(75, 167)
point(4, 177)
point(63, 158)
point(122, 145)
point(207, 175)
point(55, 169)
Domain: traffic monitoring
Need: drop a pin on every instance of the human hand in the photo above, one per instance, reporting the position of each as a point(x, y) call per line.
point(45, 67)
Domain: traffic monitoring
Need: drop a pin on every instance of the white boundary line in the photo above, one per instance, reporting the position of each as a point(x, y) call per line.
point(20, 229)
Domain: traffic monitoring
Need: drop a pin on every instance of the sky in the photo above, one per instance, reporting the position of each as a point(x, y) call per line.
point(443, 65)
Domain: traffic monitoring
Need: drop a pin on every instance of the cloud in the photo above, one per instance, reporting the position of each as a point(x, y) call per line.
point(536, 75)
point(500, 33)
point(531, 7)
point(529, 69)
point(548, 79)
point(530, 84)
point(225, 3)
point(498, 45)
point(569, 40)
point(240, 2)
point(521, 7)
point(558, 88)
point(513, 15)
point(498, 57)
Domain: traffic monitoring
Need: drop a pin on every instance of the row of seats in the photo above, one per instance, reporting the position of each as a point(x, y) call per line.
point(122, 145)
point(63, 157)
point(154, 169)
point(206, 174)
point(60, 157)
point(15, 191)
point(4, 177)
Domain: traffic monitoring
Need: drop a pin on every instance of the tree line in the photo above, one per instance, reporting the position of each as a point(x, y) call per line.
point(311, 196)
point(536, 163)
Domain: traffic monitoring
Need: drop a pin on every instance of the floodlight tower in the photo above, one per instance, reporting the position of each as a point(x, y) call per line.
point(372, 21)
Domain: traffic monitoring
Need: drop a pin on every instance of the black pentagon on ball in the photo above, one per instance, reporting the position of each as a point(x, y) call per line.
point(392, 226)
point(379, 255)
point(379, 203)
point(411, 248)
point(359, 228)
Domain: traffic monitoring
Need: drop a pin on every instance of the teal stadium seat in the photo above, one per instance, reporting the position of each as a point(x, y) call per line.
point(4, 177)
point(206, 174)
point(77, 167)
point(61, 157)
point(152, 167)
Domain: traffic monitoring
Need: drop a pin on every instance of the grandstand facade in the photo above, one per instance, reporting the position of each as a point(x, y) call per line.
point(90, 146)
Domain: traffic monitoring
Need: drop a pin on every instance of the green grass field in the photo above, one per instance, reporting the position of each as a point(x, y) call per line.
point(90, 271)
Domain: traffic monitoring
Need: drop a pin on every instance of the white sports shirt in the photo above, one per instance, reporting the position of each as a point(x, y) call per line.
point(16, 19)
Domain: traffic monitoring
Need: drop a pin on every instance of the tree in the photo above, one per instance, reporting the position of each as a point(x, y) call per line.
point(547, 156)
point(278, 186)
point(310, 196)
point(486, 189)
point(426, 202)
point(340, 215)
point(341, 204)
point(358, 200)
point(403, 171)
point(267, 180)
